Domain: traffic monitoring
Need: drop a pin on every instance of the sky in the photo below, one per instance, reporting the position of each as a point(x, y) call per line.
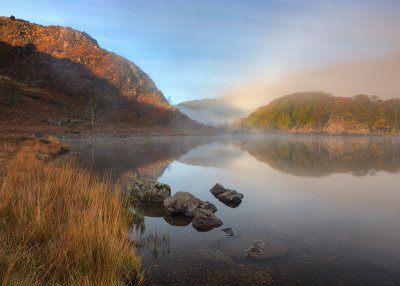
point(196, 49)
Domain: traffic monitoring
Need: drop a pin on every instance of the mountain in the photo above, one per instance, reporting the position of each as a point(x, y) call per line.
point(55, 78)
point(214, 112)
point(323, 112)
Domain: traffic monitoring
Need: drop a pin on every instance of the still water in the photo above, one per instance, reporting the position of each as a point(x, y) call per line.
point(327, 208)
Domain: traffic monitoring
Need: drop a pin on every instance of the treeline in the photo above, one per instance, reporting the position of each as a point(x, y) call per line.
point(322, 112)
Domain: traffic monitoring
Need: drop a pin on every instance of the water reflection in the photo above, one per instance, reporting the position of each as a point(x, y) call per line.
point(308, 228)
point(148, 158)
point(158, 210)
point(319, 156)
point(145, 158)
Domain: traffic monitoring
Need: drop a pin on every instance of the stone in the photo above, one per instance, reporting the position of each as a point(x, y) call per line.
point(208, 206)
point(185, 205)
point(205, 220)
point(144, 191)
point(229, 231)
point(230, 198)
point(217, 190)
point(256, 248)
point(247, 247)
point(149, 191)
point(182, 203)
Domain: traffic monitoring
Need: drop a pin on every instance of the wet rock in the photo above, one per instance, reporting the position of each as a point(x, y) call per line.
point(182, 203)
point(247, 247)
point(145, 191)
point(205, 220)
point(230, 198)
point(256, 248)
point(208, 206)
point(149, 191)
point(229, 231)
point(217, 190)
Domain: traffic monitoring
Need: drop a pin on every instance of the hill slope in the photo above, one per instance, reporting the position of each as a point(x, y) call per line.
point(215, 111)
point(57, 78)
point(322, 112)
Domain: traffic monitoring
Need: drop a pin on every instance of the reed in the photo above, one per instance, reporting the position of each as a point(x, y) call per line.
point(60, 224)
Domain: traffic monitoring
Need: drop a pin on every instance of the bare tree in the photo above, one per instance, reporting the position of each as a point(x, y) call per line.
point(65, 109)
point(93, 108)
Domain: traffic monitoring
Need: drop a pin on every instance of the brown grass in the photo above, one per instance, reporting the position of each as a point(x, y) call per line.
point(60, 225)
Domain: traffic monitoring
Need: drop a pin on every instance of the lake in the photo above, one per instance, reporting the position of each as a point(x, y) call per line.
point(326, 208)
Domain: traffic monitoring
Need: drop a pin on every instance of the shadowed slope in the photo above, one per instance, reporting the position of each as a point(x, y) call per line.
point(59, 78)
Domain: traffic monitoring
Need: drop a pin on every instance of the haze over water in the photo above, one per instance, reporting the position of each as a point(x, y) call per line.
point(327, 208)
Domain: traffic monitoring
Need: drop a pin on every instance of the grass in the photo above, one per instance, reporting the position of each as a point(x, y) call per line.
point(60, 224)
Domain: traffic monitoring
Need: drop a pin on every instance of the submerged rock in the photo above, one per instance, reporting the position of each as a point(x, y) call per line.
point(205, 220)
point(256, 248)
point(247, 247)
point(229, 231)
point(230, 198)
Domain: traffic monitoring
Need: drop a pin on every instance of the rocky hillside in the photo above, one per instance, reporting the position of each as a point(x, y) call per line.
point(57, 78)
point(322, 112)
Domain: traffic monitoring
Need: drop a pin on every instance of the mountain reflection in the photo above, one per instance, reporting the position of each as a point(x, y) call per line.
point(145, 158)
point(311, 156)
point(322, 156)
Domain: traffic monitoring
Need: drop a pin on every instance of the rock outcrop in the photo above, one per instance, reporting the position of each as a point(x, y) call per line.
point(75, 84)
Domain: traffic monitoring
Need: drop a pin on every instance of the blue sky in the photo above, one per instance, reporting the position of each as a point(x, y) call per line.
point(204, 48)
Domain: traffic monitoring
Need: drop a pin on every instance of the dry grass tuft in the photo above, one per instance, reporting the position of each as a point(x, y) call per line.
point(60, 225)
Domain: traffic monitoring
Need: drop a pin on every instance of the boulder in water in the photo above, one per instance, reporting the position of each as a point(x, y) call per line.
point(230, 198)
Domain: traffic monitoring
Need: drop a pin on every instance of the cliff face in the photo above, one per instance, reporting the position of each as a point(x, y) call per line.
point(57, 74)
point(321, 112)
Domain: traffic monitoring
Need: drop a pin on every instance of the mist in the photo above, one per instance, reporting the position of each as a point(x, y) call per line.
point(371, 76)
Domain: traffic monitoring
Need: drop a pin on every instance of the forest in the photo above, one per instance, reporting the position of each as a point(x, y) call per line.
point(323, 112)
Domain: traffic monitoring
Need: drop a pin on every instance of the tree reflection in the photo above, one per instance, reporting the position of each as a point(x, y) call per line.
point(322, 156)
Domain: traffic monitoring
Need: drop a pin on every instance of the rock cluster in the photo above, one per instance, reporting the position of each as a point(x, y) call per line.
point(184, 203)
point(179, 209)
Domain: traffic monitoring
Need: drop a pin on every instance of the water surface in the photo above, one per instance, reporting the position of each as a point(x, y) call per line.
point(327, 208)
